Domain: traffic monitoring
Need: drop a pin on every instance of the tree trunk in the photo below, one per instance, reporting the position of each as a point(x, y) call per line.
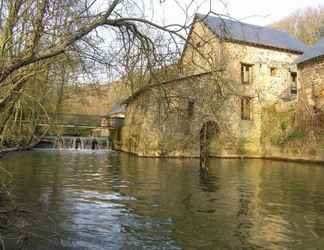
point(204, 148)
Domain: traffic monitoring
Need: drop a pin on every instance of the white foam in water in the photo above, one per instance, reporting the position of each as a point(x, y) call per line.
point(76, 151)
point(78, 143)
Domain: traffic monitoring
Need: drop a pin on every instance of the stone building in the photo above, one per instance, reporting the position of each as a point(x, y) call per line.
point(311, 75)
point(230, 72)
point(116, 117)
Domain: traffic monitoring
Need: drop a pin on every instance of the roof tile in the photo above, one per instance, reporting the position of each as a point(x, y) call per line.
point(243, 32)
point(312, 53)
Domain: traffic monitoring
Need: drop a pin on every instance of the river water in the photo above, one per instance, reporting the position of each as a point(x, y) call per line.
point(99, 200)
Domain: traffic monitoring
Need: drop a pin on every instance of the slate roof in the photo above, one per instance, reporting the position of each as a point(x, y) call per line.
point(312, 53)
point(117, 108)
point(253, 34)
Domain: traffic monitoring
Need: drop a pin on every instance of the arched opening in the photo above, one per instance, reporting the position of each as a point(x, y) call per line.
point(208, 130)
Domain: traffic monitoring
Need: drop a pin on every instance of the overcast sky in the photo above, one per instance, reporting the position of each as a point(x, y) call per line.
point(260, 12)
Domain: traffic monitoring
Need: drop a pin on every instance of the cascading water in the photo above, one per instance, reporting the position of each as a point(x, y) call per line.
point(80, 143)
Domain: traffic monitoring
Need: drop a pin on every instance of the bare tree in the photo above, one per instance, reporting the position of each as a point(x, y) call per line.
point(57, 37)
point(304, 24)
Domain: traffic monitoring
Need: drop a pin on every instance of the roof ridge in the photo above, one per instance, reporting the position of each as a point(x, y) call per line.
point(244, 23)
point(252, 33)
point(313, 52)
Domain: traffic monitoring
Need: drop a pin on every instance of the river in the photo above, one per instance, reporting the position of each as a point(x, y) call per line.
point(99, 200)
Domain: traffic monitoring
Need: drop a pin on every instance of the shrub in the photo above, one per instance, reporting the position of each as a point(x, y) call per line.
point(284, 125)
point(296, 135)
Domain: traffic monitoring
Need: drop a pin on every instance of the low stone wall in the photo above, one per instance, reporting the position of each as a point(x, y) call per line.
point(295, 154)
point(275, 155)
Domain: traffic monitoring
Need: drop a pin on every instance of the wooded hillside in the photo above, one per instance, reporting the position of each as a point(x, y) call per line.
point(93, 99)
point(305, 24)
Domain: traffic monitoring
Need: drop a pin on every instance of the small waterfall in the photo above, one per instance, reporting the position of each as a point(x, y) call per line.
point(59, 142)
point(81, 143)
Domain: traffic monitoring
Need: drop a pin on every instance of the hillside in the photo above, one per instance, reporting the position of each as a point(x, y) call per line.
point(304, 24)
point(93, 99)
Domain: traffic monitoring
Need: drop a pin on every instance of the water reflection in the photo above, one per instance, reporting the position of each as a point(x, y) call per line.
point(208, 181)
point(118, 201)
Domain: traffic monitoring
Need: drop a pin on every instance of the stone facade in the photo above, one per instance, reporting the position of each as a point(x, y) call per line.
point(166, 120)
point(152, 128)
point(311, 75)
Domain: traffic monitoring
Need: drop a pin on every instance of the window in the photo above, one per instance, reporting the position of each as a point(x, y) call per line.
point(293, 77)
point(246, 110)
point(273, 71)
point(260, 66)
point(246, 73)
point(190, 108)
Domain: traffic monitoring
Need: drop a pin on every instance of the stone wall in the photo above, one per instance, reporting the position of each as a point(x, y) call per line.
point(156, 126)
point(159, 123)
point(311, 76)
point(146, 133)
point(286, 140)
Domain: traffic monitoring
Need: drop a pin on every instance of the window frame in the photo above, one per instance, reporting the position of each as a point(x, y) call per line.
point(249, 68)
point(294, 82)
point(246, 108)
point(190, 108)
point(273, 71)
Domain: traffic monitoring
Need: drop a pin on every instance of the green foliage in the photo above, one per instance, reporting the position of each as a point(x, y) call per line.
point(284, 125)
point(77, 131)
point(296, 135)
point(84, 131)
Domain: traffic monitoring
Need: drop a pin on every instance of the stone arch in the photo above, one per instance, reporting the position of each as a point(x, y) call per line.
point(207, 131)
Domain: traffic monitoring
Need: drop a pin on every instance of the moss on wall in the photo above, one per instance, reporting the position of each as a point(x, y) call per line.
point(281, 136)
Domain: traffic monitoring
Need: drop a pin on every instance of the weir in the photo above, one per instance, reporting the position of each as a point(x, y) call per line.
point(75, 143)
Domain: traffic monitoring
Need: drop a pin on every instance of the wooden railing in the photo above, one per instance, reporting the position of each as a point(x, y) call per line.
point(72, 120)
point(313, 122)
point(81, 120)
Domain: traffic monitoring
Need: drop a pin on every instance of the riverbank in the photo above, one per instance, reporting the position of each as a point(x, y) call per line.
point(273, 157)
point(8, 150)
point(15, 149)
